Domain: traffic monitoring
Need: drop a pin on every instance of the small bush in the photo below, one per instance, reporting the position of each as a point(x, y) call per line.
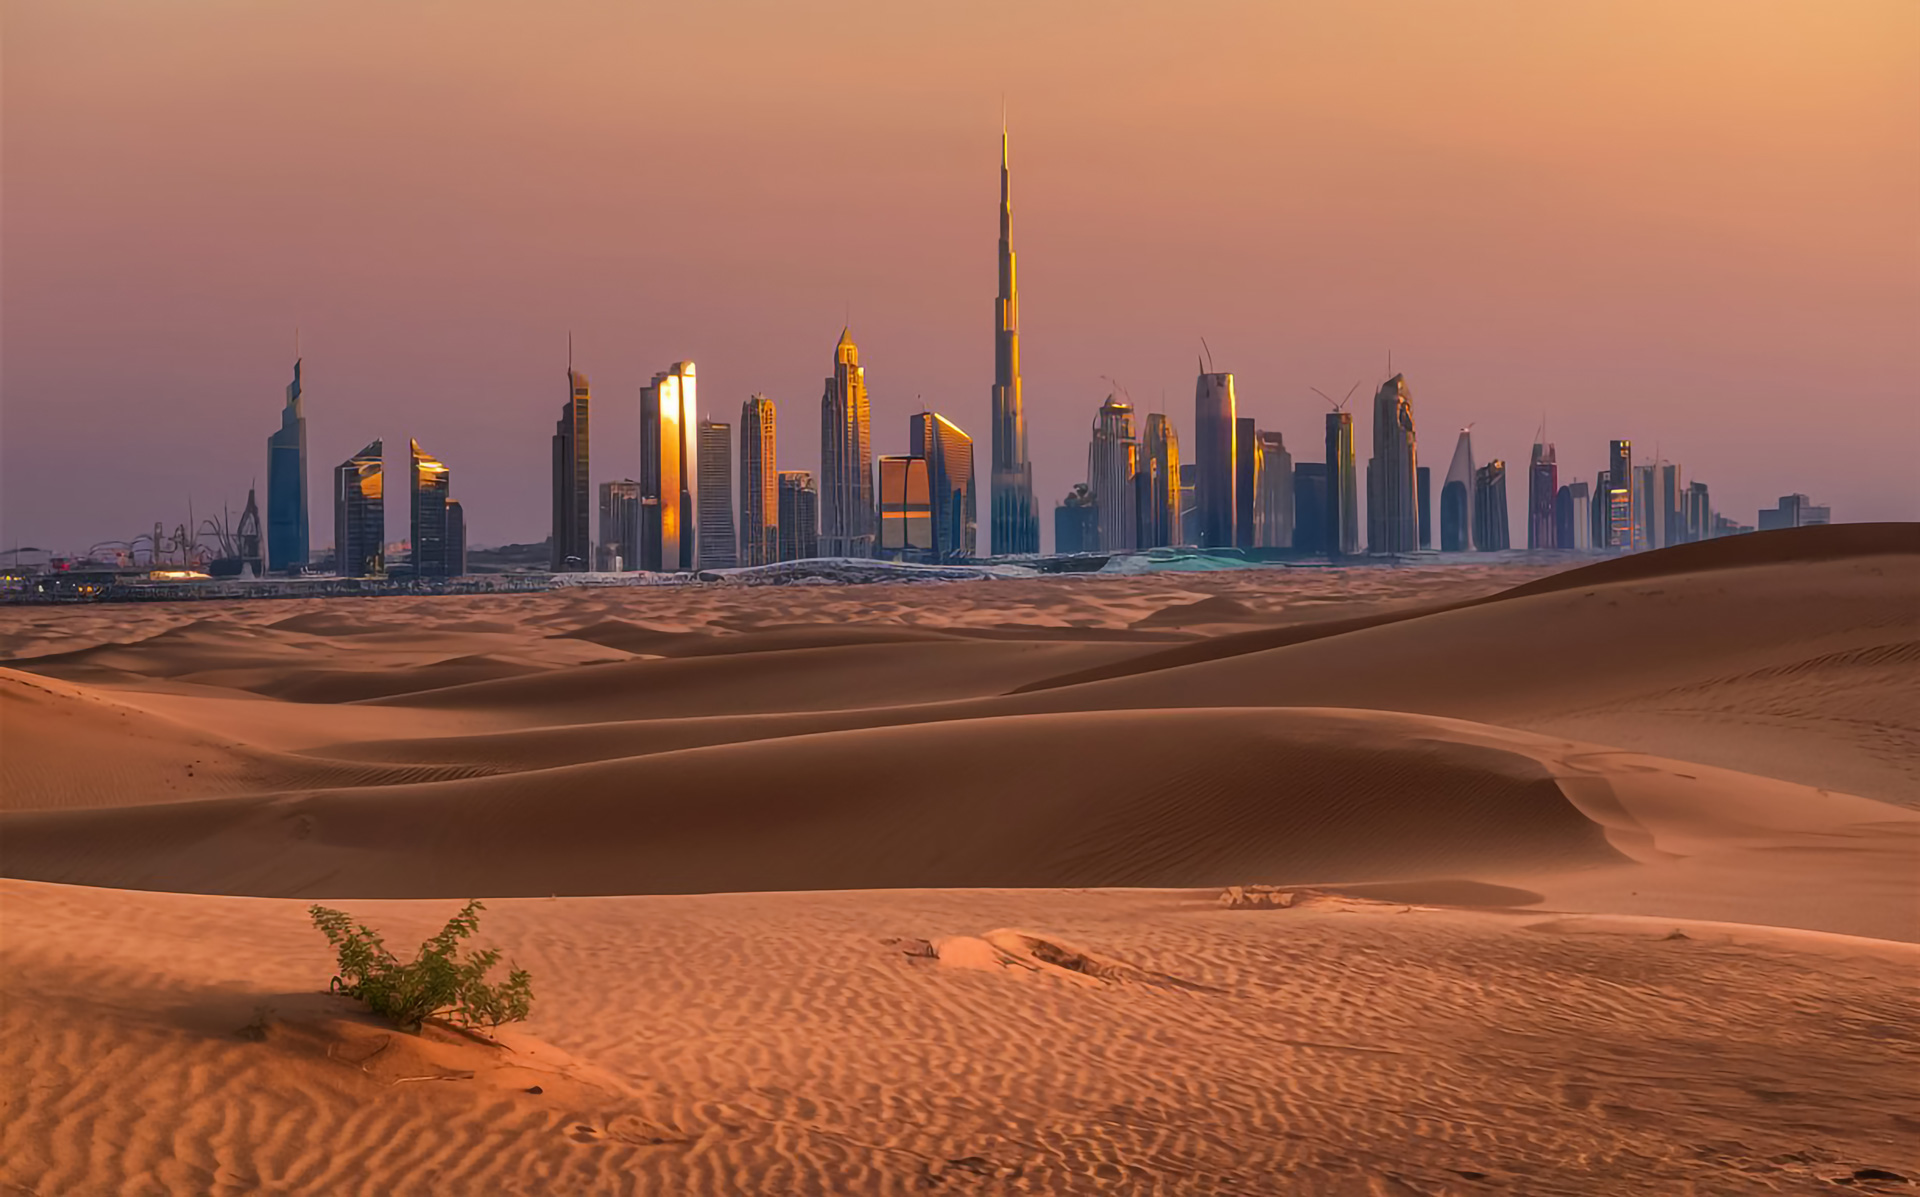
point(438, 983)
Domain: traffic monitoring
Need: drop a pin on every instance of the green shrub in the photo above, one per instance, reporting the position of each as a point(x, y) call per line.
point(438, 983)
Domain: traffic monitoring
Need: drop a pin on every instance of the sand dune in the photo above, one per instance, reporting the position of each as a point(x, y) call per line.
point(1201, 798)
point(775, 1043)
point(1600, 881)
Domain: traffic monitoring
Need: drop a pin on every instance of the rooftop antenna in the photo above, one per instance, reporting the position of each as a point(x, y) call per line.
point(1117, 386)
point(569, 351)
point(296, 342)
point(1209, 349)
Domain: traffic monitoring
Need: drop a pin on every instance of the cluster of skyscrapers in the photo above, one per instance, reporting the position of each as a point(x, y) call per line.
point(437, 524)
point(1241, 490)
point(1244, 490)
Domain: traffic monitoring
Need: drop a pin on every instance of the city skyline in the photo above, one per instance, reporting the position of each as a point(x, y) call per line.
point(1728, 378)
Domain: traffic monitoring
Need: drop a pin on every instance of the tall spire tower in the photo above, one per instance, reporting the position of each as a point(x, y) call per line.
point(1014, 525)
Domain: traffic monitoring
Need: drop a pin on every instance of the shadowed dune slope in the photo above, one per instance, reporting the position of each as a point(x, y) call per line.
point(66, 746)
point(1811, 663)
point(1199, 798)
point(827, 678)
point(1790, 546)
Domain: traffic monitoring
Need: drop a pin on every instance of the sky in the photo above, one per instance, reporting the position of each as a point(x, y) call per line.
point(1695, 225)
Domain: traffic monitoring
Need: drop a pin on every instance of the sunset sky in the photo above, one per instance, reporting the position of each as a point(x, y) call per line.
point(1693, 224)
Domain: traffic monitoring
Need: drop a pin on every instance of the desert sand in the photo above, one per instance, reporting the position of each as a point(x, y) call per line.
point(1583, 880)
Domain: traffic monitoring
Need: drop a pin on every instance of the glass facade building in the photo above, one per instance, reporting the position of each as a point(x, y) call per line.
point(1113, 457)
point(799, 516)
point(572, 540)
point(716, 496)
point(1214, 430)
point(360, 515)
point(759, 484)
point(1275, 522)
point(287, 522)
point(619, 549)
point(1014, 520)
point(1543, 493)
point(1159, 512)
point(906, 509)
point(949, 455)
point(1343, 490)
point(429, 498)
point(1249, 479)
point(669, 483)
point(846, 457)
point(1456, 497)
point(1393, 505)
point(1490, 530)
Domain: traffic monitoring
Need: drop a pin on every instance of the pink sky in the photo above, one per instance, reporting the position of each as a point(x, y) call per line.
point(1693, 224)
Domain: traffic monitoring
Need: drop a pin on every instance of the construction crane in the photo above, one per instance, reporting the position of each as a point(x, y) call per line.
point(1342, 405)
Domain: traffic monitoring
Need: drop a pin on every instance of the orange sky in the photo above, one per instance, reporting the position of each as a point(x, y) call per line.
point(1693, 224)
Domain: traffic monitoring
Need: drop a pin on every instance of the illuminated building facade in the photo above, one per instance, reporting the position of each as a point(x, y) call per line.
point(360, 515)
point(949, 454)
point(1393, 504)
point(846, 457)
point(1159, 470)
point(906, 509)
point(759, 484)
point(669, 482)
point(428, 503)
point(1014, 523)
point(1249, 466)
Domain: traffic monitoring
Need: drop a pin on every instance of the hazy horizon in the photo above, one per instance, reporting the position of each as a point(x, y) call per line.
point(1694, 227)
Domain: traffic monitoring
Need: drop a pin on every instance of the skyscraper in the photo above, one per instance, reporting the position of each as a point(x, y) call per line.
point(716, 496)
point(1275, 522)
point(846, 457)
point(1112, 459)
point(1249, 464)
point(1393, 503)
point(1310, 507)
point(1343, 490)
point(456, 539)
point(1670, 495)
point(1423, 475)
point(906, 509)
point(949, 454)
point(799, 516)
point(1618, 517)
point(429, 498)
point(619, 525)
point(1015, 524)
point(1490, 530)
point(759, 484)
point(1213, 434)
point(1456, 498)
point(1699, 512)
point(1646, 511)
point(287, 484)
point(1159, 466)
point(1543, 491)
point(1573, 517)
point(360, 515)
point(1189, 504)
point(572, 493)
point(669, 482)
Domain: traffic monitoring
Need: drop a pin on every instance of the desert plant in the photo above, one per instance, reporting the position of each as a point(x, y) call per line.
point(438, 983)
